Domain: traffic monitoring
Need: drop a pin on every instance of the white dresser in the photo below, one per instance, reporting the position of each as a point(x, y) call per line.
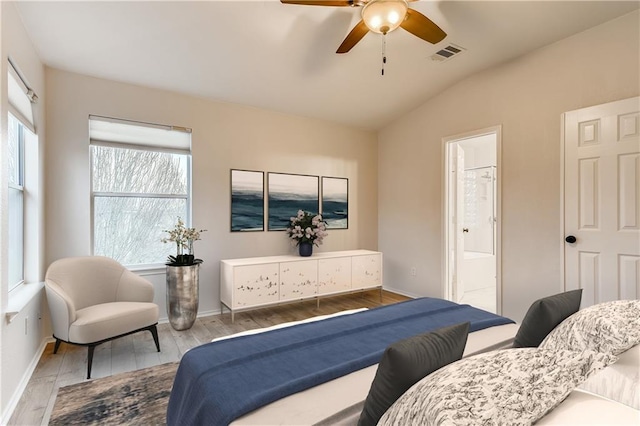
point(261, 281)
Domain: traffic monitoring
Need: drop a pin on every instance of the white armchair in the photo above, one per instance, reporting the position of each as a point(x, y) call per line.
point(95, 299)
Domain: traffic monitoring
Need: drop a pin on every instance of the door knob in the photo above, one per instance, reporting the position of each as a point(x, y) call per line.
point(571, 239)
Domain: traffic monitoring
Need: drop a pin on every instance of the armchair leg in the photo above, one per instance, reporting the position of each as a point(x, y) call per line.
point(91, 346)
point(56, 346)
point(90, 360)
point(154, 332)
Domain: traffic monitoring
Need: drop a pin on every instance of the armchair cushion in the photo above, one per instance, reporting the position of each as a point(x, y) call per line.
point(107, 320)
point(91, 280)
point(133, 288)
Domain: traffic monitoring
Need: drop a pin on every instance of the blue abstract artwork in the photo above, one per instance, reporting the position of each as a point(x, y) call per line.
point(289, 193)
point(247, 200)
point(335, 202)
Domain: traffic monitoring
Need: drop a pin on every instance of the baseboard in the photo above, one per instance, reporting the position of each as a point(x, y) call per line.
point(401, 292)
point(165, 320)
point(209, 313)
point(17, 394)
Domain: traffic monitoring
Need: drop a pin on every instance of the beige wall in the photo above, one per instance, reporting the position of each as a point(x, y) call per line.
point(527, 97)
point(21, 342)
point(225, 136)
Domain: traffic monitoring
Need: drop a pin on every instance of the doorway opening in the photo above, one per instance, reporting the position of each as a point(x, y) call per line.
point(472, 220)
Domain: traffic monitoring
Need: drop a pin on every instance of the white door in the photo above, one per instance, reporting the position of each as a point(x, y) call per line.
point(602, 201)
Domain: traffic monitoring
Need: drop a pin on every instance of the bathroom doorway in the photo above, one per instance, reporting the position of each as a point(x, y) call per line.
point(471, 213)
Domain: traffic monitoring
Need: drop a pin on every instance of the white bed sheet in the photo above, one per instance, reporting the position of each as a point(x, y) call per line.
point(289, 324)
point(620, 381)
point(584, 408)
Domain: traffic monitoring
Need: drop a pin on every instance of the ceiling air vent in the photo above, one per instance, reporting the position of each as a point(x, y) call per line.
point(447, 53)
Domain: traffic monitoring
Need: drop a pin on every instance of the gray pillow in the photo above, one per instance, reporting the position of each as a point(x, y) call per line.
point(544, 315)
point(406, 362)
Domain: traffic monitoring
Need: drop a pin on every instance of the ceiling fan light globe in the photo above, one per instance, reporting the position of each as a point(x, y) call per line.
point(383, 16)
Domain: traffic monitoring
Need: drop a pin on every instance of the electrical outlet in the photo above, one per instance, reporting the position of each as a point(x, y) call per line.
point(413, 271)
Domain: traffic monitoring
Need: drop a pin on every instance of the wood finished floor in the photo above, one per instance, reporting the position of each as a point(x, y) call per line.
point(138, 351)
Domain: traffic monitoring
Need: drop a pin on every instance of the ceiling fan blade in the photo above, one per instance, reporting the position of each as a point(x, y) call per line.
point(356, 34)
point(421, 26)
point(338, 3)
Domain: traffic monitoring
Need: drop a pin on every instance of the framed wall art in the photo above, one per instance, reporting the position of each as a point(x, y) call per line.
point(247, 200)
point(335, 202)
point(289, 193)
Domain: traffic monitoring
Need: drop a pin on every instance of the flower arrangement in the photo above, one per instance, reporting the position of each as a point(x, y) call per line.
point(306, 228)
point(184, 238)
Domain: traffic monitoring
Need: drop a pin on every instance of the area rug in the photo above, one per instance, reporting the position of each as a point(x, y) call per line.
point(135, 398)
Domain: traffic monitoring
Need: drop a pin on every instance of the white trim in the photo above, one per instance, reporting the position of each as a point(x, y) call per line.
point(562, 200)
point(19, 297)
point(401, 292)
point(498, 223)
point(17, 393)
point(148, 270)
point(497, 130)
point(446, 291)
point(140, 195)
point(165, 320)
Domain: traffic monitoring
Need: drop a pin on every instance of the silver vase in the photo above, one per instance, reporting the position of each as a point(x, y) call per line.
point(182, 295)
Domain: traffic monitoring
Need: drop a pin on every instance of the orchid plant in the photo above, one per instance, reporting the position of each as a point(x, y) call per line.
point(306, 228)
point(184, 238)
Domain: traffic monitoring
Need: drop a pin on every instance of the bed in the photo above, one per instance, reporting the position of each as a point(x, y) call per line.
point(343, 398)
point(212, 379)
point(584, 372)
point(607, 396)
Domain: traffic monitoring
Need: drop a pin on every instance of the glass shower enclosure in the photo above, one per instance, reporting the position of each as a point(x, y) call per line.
point(480, 210)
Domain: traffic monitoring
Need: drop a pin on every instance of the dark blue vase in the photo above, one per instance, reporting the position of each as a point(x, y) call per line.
point(305, 249)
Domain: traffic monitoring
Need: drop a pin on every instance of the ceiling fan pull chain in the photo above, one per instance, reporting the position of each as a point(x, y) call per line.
point(384, 51)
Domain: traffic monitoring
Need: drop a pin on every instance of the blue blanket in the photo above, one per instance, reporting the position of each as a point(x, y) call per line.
point(219, 382)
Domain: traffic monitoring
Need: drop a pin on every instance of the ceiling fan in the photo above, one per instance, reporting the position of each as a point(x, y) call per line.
point(381, 16)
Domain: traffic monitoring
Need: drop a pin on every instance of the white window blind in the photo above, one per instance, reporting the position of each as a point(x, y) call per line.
point(20, 98)
point(104, 130)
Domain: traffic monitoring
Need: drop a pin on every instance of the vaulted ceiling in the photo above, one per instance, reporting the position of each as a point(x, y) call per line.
point(282, 57)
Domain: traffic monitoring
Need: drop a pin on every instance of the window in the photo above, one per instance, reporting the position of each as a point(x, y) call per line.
point(16, 131)
point(24, 201)
point(138, 189)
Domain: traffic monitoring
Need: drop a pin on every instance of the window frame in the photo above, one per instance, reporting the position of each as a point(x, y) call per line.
point(20, 186)
point(103, 194)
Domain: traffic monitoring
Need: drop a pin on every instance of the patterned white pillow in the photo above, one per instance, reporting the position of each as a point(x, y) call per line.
point(610, 327)
point(507, 387)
